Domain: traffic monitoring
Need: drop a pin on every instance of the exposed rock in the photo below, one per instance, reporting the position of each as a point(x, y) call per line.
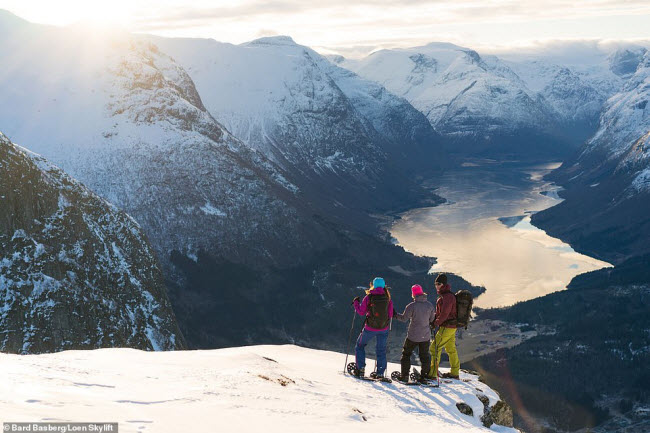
point(465, 409)
point(500, 414)
point(485, 400)
point(75, 273)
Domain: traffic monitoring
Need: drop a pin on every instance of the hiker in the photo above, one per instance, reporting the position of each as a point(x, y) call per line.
point(377, 307)
point(446, 315)
point(421, 314)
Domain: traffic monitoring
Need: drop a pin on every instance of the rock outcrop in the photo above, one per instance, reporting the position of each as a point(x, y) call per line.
point(75, 272)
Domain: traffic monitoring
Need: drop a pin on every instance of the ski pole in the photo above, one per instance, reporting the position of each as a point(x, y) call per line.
point(347, 350)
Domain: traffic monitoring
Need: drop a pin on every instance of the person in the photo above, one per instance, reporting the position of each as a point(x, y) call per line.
point(446, 336)
point(377, 307)
point(421, 314)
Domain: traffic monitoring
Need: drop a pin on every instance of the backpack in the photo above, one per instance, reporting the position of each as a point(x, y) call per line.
point(378, 311)
point(464, 302)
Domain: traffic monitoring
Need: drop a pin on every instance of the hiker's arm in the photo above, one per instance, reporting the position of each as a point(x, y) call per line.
point(445, 311)
point(408, 313)
point(361, 307)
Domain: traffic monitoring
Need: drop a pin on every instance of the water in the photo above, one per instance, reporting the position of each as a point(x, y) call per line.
point(485, 235)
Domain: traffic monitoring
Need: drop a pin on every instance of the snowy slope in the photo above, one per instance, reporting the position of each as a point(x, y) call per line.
point(250, 389)
point(75, 272)
point(348, 137)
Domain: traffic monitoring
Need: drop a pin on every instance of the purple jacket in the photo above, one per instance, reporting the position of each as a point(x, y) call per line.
point(421, 313)
point(362, 307)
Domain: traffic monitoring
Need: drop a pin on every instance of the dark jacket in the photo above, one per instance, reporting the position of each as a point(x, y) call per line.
point(421, 313)
point(445, 307)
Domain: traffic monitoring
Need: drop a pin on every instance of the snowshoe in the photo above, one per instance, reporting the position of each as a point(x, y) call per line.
point(375, 376)
point(449, 376)
point(397, 376)
point(359, 374)
point(423, 380)
point(354, 371)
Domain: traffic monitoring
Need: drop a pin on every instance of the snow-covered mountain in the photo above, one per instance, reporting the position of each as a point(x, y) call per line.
point(575, 79)
point(624, 132)
point(125, 119)
point(608, 180)
point(348, 138)
point(475, 99)
point(75, 272)
point(250, 389)
point(536, 100)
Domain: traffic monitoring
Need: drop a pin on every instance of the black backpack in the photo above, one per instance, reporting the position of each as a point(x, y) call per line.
point(378, 309)
point(464, 302)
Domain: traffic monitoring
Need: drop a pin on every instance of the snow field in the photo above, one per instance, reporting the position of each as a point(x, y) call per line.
point(270, 388)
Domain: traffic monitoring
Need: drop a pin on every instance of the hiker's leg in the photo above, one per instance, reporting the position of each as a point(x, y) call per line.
point(450, 348)
point(382, 342)
point(407, 350)
point(441, 339)
point(436, 350)
point(360, 349)
point(425, 357)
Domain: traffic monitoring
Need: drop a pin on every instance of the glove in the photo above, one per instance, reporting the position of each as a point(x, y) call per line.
point(356, 300)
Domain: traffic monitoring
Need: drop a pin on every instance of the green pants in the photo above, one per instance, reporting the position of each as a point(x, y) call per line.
point(445, 337)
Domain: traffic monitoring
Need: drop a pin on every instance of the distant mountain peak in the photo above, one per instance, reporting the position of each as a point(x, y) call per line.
point(444, 46)
point(274, 40)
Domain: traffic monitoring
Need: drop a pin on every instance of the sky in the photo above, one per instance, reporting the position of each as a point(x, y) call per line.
point(356, 27)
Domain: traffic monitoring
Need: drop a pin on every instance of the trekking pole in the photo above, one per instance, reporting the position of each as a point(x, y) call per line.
point(347, 350)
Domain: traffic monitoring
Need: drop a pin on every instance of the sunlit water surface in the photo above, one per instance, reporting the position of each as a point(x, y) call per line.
point(485, 235)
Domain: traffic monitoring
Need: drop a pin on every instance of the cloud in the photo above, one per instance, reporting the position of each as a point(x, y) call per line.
point(358, 25)
point(461, 9)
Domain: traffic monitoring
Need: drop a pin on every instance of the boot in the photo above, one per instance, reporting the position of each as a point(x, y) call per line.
point(449, 376)
point(359, 372)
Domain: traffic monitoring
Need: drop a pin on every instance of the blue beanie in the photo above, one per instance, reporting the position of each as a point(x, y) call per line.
point(378, 282)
